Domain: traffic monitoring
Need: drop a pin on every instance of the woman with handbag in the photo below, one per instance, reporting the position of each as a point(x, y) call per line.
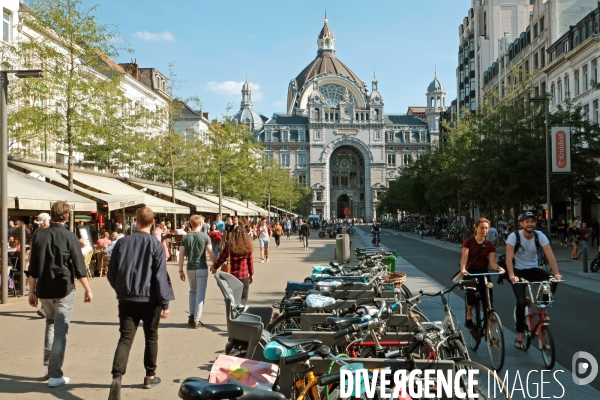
point(238, 254)
point(477, 254)
point(573, 234)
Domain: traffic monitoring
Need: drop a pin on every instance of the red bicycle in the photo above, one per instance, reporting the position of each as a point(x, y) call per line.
point(537, 322)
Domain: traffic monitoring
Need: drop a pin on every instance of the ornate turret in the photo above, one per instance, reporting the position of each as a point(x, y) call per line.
point(326, 39)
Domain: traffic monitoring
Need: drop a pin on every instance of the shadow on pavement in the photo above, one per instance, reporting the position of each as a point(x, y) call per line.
point(13, 384)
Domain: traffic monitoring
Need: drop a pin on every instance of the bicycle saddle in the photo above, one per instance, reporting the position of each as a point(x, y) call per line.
point(198, 388)
point(318, 301)
point(321, 292)
point(291, 343)
point(335, 264)
point(344, 322)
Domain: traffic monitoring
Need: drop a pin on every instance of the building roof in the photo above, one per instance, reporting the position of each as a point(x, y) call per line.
point(326, 63)
point(326, 32)
point(404, 120)
point(290, 119)
point(251, 118)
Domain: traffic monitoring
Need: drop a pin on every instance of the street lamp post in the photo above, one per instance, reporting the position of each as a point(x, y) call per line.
point(36, 73)
point(546, 100)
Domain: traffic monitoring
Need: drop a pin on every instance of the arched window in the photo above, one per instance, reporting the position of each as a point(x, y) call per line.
point(316, 114)
point(376, 115)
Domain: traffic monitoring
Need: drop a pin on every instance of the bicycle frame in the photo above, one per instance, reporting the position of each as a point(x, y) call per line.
point(541, 306)
point(310, 384)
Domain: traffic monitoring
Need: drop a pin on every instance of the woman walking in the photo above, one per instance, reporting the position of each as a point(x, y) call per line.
point(216, 238)
point(196, 244)
point(238, 252)
point(573, 233)
point(277, 232)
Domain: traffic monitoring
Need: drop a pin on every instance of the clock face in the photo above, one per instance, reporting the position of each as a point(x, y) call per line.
point(346, 111)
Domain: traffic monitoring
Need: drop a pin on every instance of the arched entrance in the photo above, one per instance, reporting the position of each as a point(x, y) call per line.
point(347, 189)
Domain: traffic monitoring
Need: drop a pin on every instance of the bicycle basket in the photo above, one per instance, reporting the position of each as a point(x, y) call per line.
point(396, 279)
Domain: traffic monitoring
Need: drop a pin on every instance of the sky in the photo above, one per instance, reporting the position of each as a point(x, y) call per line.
point(214, 45)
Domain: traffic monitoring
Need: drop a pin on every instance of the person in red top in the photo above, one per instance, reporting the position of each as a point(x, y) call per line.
point(238, 251)
point(477, 254)
point(215, 238)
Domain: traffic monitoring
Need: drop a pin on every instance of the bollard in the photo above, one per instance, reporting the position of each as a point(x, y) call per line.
point(585, 259)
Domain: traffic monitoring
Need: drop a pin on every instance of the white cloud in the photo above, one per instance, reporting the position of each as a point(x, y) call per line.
point(159, 36)
point(233, 88)
point(279, 103)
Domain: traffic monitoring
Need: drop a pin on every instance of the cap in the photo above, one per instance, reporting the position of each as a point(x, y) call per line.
point(43, 217)
point(527, 215)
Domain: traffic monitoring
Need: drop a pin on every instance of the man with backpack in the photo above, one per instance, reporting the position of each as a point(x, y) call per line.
point(523, 245)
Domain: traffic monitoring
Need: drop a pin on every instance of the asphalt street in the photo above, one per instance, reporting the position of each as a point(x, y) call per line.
point(575, 314)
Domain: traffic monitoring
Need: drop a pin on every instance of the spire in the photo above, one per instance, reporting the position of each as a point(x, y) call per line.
point(246, 94)
point(326, 38)
point(325, 15)
point(435, 73)
point(374, 80)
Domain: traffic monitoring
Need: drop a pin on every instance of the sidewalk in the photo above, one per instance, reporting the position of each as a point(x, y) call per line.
point(571, 269)
point(94, 332)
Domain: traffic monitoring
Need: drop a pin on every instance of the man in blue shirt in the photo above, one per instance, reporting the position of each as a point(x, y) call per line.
point(219, 223)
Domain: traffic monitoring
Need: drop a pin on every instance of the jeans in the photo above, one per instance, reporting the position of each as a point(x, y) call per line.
point(58, 316)
point(583, 245)
point(130, 315)
point(305, 241)
point(376, 237)
point(198, 279)
point(245, 290)
point(288, 232)
point(520, 290)
point(215, 247)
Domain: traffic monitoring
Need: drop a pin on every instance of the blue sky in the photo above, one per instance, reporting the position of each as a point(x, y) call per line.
point(215, 44)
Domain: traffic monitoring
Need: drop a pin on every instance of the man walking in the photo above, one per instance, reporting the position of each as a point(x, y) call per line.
point(56, 261)
point(304, 234)
point(524, 250)
point(287, 226)
point(138, 274)
point(219, 223)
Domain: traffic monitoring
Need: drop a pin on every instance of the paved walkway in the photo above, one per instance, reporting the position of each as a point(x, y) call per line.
point(94, 332)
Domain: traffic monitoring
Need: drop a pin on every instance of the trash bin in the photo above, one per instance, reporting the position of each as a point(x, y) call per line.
point(390, 262)
point(342, 248)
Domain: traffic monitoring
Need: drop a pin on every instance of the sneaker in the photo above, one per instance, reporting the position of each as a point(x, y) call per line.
point(55, 382)
point(41, 313)
point(198, 324)
point(469, 324)
point(115, 389)
point(149, 383)
point(191, 320)
point(267, 260)
point(262, 260)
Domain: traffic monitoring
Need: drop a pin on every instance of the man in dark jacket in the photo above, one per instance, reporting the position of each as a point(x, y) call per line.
point(304, 234)
point(138, 274)
point(55, 262)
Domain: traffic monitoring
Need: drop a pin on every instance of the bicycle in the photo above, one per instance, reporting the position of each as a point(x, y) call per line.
point(488, 322)
point(539, 327)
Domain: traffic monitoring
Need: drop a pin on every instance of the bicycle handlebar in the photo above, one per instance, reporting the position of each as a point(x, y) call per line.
point(525, 281)
point(486, 274)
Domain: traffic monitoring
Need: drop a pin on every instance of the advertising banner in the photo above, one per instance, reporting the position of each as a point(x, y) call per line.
point(561, 149)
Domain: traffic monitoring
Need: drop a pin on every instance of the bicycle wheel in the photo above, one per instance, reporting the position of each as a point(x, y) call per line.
point(488, 386)
point(283, 322)
point(474, 335)
point(495, 341)
point(548, 349)
point(595, 265)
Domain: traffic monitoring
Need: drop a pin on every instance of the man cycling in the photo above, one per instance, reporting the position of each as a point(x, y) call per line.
point(477, 254)
point(376, 231)
point(526, 266)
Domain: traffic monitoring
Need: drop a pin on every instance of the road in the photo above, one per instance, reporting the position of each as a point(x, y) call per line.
point(575, 314)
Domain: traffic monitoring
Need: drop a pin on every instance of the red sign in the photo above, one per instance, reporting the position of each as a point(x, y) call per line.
point(347, 211)
point(561, 149)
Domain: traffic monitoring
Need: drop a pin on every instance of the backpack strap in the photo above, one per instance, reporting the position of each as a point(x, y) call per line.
point(518, 242)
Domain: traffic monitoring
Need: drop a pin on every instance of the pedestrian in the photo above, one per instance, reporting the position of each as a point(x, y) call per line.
point(238, 254)
point(477, 253)
point(526, 266)
point(195, 245)
point(220, 224)
point(205, 228)
point(159, 232)
point(421, 228)
point(595, 230)
point(376, 232)
point(573, 233)
point(277, 231)
point(43, 222)
point(215, 238)
point(578, 220)
point(264, 234)
point(138, 274)
point(583, 236)
point(56, 261)
point(304, 234)
point(562, 232)
point(299, 225)
point(287, 226)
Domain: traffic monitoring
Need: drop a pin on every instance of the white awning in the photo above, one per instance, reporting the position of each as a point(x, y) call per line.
point(202, 205)
point(130, 195)
point(30, 193)
point(257, 210)
point(226, 202)
point(284, 211)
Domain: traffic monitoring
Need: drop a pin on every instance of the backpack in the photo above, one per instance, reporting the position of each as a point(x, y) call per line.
point(518, 242)
point(502, 258)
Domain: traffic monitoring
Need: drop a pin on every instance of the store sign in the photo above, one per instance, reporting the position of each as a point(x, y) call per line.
point(561, 149)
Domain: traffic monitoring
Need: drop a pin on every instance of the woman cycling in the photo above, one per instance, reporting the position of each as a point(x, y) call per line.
point(477, 253)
